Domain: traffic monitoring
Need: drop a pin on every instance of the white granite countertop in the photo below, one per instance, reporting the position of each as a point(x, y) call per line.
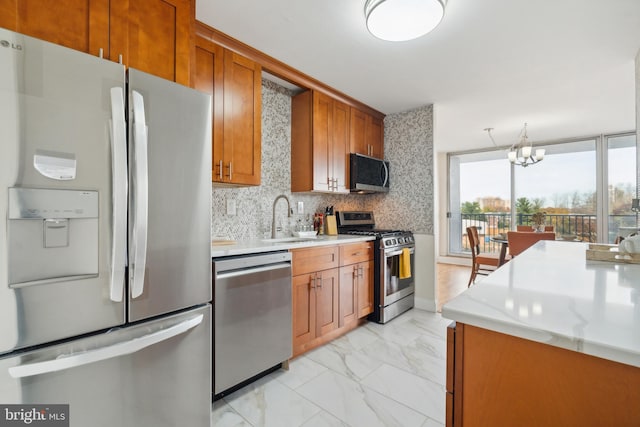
point(552, 294)
point(245, 247)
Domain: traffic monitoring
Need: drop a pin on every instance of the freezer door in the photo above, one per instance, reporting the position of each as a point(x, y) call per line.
point(55, 193)
point(170, 196)
point(156, 373)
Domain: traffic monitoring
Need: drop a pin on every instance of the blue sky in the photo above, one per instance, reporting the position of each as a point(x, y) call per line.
point(560, 173)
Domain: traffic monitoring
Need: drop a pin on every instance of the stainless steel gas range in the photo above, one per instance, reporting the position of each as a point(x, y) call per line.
point(393, 288)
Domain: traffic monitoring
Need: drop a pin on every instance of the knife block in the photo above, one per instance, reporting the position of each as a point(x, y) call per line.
point(331, 227)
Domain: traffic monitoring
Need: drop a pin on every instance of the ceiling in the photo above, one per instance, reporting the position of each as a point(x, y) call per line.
point(566, 67)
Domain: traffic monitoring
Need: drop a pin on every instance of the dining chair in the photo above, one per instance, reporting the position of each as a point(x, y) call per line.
point(530, 228)
point(480, 264)
point(519, 241)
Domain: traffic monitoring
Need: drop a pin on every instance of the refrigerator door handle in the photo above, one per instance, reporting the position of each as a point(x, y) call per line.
point(140, 201)
point(109, 352)
point(119, 194)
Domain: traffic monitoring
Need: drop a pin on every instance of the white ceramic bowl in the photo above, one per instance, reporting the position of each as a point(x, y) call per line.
point(306, 234)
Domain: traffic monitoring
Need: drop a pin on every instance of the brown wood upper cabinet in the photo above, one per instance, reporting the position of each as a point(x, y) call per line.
point(366, 134)
point(319, 143)
point(154, 36)
point(235, 83)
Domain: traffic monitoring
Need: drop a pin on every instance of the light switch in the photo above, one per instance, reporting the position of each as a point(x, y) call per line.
point(300, 207)
point(231, 207)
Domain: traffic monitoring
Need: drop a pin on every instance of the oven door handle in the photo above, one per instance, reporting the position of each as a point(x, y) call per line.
point(394, 253)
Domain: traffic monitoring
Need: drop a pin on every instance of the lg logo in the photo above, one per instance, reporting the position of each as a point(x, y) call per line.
point(5, 43)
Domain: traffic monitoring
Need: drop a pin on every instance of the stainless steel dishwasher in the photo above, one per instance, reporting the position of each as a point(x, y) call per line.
point(252, 316)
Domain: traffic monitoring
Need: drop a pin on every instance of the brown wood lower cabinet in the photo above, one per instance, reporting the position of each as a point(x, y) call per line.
point(494, 379)
point(315, 306)
point(329, 297)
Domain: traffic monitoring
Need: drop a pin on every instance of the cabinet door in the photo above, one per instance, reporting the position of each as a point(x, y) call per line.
point(348, 299)
point(326, 291)
point(154, 36)
point(304, 310)
point(322, 125)
point(209, 74)
point(365, 288)
point(77, 24)
point(242, 119)
point(309, 260)
point(340, 146)
point(375, 136)
point(357, 128)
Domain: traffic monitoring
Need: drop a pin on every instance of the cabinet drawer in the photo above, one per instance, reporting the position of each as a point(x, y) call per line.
point(356, 252)
point(309, 260)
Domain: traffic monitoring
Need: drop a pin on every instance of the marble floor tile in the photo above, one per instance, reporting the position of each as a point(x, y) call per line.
point(376, 375)
point(358, 405)
point(432, 423)
point(348, 362)
point(269, 403)
point(394, 331)
point(223, 415)
point(356, 339)
point(301, 370)
point(324, 419)
point(411, 358)
point(420, 394)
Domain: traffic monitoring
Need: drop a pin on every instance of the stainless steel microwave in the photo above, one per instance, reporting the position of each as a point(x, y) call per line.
point(368, 174)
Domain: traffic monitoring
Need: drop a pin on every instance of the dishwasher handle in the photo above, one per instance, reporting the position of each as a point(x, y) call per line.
point(227, 274)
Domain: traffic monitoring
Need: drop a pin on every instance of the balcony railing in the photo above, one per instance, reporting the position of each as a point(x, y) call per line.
point(571, 227)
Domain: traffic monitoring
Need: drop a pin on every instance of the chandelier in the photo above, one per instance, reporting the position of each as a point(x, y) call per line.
point(401, 20)
point(522, 153)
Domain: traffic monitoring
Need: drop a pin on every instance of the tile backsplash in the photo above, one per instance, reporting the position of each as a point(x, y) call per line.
point(408, 205)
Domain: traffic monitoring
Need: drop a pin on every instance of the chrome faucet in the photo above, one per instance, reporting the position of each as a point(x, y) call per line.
point(273, 215)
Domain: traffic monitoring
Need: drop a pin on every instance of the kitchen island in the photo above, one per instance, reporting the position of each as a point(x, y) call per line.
point(548, 339)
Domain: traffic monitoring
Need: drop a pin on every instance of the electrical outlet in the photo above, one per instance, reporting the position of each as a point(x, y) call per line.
point(231, 207)
point(300, 207)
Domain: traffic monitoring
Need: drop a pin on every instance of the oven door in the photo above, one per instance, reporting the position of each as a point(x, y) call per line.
point(394, 287)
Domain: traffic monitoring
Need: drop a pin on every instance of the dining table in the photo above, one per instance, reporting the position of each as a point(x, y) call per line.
point(504, 244)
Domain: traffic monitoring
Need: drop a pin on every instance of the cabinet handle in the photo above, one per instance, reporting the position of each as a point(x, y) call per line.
point(101, 53)
point(312, 282)
point(355, 272)
point(230, 170)
point(360, 272)
point(320, 285)
point(120, 59)
point(220, 170)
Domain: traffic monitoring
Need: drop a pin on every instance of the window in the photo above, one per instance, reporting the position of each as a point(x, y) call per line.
point(621, 186)
point(563, 186)
point(584, 186)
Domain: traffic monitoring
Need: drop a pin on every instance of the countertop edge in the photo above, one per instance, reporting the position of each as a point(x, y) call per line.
point(248, 247)
point(523, 331)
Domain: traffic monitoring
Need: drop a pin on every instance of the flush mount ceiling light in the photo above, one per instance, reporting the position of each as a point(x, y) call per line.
point(401, 20)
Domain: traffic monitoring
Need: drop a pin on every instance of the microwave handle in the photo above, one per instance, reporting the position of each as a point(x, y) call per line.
point(386, 173)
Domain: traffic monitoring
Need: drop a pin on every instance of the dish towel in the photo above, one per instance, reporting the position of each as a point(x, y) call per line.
point(405, 264)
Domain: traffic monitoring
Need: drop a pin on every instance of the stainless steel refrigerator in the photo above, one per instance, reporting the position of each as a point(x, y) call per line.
point(105, 267)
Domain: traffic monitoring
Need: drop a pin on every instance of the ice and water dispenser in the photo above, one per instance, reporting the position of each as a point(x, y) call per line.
point(52, 235)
